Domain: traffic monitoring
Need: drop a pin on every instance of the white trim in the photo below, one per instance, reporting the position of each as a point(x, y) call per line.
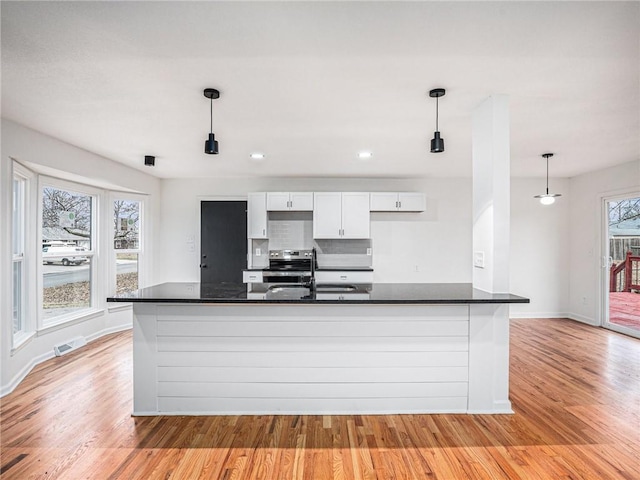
point(623, 330)
point(21, 339)
point(539, 315)
point(72, 319)
point(119, 307)
point(97, 289)
point(21, 375)
point(603, 272)
point(582, 319)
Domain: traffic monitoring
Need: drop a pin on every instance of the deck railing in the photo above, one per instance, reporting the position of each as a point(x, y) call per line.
point(625, 276)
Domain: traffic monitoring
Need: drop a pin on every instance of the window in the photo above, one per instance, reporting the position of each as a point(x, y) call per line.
point(18, 250)
point(126, 243)
point(68, 253)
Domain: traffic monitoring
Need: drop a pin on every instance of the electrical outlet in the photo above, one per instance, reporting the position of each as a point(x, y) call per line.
point(369, 251)
point(478, 259)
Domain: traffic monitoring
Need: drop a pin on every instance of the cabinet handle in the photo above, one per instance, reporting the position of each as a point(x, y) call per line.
point(264, 232)
point(343, 277)
point(396, 204)
point(399, 204)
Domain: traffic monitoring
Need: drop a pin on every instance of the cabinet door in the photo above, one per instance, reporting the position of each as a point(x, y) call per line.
point(277, 201)
point(412, 202)
point(257, 215)
point(355, 215)
point(327, 215)
point(301, 201)
point(384, 201)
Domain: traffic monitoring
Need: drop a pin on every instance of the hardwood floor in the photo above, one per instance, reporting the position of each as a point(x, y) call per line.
point(575, 391)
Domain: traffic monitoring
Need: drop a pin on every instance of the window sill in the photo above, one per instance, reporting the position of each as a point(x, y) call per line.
point(20, 340)
point(67, 321)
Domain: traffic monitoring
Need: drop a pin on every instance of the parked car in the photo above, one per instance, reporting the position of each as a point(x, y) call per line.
point(65, 254)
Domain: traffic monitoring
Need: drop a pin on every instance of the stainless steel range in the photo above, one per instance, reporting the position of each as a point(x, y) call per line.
point(288, 266)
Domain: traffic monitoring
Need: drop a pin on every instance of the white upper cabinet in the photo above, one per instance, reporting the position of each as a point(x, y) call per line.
point(290, 201)
point(398, 202)
point(257, 215)
point(341, 215)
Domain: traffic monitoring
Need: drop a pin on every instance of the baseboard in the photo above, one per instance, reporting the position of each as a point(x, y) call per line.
point(109, 331)
point(582, 319)
point(15, 381)
point(539, 315)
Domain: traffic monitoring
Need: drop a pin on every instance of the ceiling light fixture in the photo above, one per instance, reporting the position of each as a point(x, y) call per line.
point(437, 143)
point(211, 144)
point(149, 160)
point(547, 198)
point(365, 155)
point(257, 156)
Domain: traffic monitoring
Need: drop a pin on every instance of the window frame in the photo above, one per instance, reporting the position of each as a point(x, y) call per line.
point(140, 251)
point(96, 296)
point(24, 258)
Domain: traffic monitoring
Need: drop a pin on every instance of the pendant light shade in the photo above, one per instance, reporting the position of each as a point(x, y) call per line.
point(437, 142)
point(547, 198)
point(211, 144)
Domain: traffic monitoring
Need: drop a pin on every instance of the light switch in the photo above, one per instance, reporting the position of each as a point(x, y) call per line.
point(478, 259)
point(258, 252)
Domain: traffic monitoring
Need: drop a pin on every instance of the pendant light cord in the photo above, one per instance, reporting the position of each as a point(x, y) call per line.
point(547, 175)
point(436, 114)
point(211, 116)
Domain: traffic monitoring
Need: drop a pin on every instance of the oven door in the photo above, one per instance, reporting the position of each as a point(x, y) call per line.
point(288, 276)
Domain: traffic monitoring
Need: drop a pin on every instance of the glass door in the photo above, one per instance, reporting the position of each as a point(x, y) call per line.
point(622, 265)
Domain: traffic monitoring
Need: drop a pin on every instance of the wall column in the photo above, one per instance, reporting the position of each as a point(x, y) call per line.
point(489, 324)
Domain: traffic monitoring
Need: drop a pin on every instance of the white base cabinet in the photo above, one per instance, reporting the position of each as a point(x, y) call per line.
point(343, 276)
point(223, 359)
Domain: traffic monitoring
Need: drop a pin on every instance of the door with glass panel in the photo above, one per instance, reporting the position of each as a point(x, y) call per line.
point(622, 266)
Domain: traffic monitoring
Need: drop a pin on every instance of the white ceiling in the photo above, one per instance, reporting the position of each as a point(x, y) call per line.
point(312, 83)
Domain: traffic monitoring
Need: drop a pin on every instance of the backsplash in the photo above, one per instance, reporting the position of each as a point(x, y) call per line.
point(294, 230)
point(343, 253)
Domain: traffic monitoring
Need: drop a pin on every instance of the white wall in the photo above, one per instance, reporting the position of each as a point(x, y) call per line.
point(586, 235)
point(433, 246)
point(51, 155)
point(540, 249)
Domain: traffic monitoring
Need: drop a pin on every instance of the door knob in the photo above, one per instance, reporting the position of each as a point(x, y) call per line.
point(203, 265)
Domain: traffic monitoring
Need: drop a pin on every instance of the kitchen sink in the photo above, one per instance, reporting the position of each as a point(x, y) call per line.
point(286, 288)
point(335, 288)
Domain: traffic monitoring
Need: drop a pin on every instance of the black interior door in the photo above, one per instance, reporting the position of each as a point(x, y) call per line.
point(223, 241)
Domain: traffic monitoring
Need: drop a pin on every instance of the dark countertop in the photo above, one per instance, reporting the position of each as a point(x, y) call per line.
point(344, 269)
point(322, 269)
point(377, 293)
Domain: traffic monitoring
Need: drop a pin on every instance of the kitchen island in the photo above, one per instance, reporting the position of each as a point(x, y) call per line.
point(209, 349)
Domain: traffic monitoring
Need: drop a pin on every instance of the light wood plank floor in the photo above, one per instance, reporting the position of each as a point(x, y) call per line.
point(575, 391)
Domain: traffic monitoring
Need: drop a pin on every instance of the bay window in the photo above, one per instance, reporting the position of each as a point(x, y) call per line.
point(68, 252)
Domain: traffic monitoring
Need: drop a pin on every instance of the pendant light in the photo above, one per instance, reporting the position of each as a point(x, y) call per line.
point(547, 198)
point(211, 144)
point(437, 143)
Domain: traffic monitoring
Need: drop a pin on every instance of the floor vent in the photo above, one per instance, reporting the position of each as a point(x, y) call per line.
point(69, 346)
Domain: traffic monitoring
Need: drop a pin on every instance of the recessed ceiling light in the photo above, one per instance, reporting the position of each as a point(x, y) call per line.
point(257, 156)
point(365, 155)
